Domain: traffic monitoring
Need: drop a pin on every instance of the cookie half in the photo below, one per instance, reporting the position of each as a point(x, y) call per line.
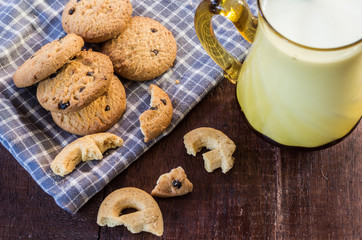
point(47, 60)
point(90, 147)
point(98, 116)
point(156, 119)
point(96, 20)
point(78, 83)
point(145, 50)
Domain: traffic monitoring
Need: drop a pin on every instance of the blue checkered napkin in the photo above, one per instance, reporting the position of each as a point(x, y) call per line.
point(28, 131)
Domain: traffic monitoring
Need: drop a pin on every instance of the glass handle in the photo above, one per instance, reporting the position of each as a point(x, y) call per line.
point(239, 13)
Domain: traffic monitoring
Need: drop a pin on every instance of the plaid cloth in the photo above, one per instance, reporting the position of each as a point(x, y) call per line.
point(28, 131)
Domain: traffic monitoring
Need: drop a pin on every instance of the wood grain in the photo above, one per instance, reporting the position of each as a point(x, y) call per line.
point(270, 193)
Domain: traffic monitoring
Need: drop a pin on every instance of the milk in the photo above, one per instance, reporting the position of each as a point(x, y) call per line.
point(316, 23)
point(299, 96)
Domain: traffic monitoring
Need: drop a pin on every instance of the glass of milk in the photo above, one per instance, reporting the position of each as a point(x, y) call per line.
point(301, 83)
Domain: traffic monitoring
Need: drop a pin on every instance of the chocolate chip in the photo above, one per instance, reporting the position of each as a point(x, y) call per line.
point(60, 39)
point(81, 89)
point(176, 183)
point(72, 58)
point(154, 108)
point(90, 73)
point(107, 108)
point(87, 61)
point(71, 11)
point(155, 52)
point(153, 30)
point(62, 105)
point(163, 101)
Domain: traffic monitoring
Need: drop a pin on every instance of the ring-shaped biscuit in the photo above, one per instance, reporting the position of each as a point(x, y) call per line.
point(148, 216)
point(221, 146)
point(90, 147)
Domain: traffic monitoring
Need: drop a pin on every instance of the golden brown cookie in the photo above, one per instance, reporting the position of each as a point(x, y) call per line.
point(96, 20)
point(148, 216)
point(98, 116)
point(155, 120)
point(145, 50)
point(221, 146)
point(47, 60)
point(78, 83)
point(172, 184)
point(90, 147)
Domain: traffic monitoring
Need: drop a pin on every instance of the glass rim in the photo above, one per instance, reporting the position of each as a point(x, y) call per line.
point(261, 13)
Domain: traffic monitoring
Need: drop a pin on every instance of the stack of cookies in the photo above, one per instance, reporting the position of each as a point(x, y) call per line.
point(78, 86)
point(140, 48)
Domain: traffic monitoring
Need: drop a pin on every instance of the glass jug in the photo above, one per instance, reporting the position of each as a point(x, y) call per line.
point(292, 94)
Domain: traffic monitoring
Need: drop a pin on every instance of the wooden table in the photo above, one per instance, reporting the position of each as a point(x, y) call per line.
point(270, 193)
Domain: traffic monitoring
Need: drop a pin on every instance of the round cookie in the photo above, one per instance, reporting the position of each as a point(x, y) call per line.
point(145, 50)
point(47, 60)
point(98, 116)
point(96, 20)
point(78, 83)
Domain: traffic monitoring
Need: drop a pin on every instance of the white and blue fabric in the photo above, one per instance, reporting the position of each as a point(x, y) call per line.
point(28, 131)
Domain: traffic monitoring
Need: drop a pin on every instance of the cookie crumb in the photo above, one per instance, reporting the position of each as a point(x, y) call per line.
point(172, 184)
point(177, 82)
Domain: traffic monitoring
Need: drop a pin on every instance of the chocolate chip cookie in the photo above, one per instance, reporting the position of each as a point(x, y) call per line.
point(47, 60)
point(98, 116)
point(96, 20)
point(78, 83)
point(145, 50)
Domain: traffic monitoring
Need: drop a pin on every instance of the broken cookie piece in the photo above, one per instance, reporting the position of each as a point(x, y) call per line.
point(90, 147)
point(221, 146)
point(156, 119)
point(172, 184)
point(148, 216)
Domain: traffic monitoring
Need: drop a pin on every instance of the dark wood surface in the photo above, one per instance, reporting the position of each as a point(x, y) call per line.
point(270, 193)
